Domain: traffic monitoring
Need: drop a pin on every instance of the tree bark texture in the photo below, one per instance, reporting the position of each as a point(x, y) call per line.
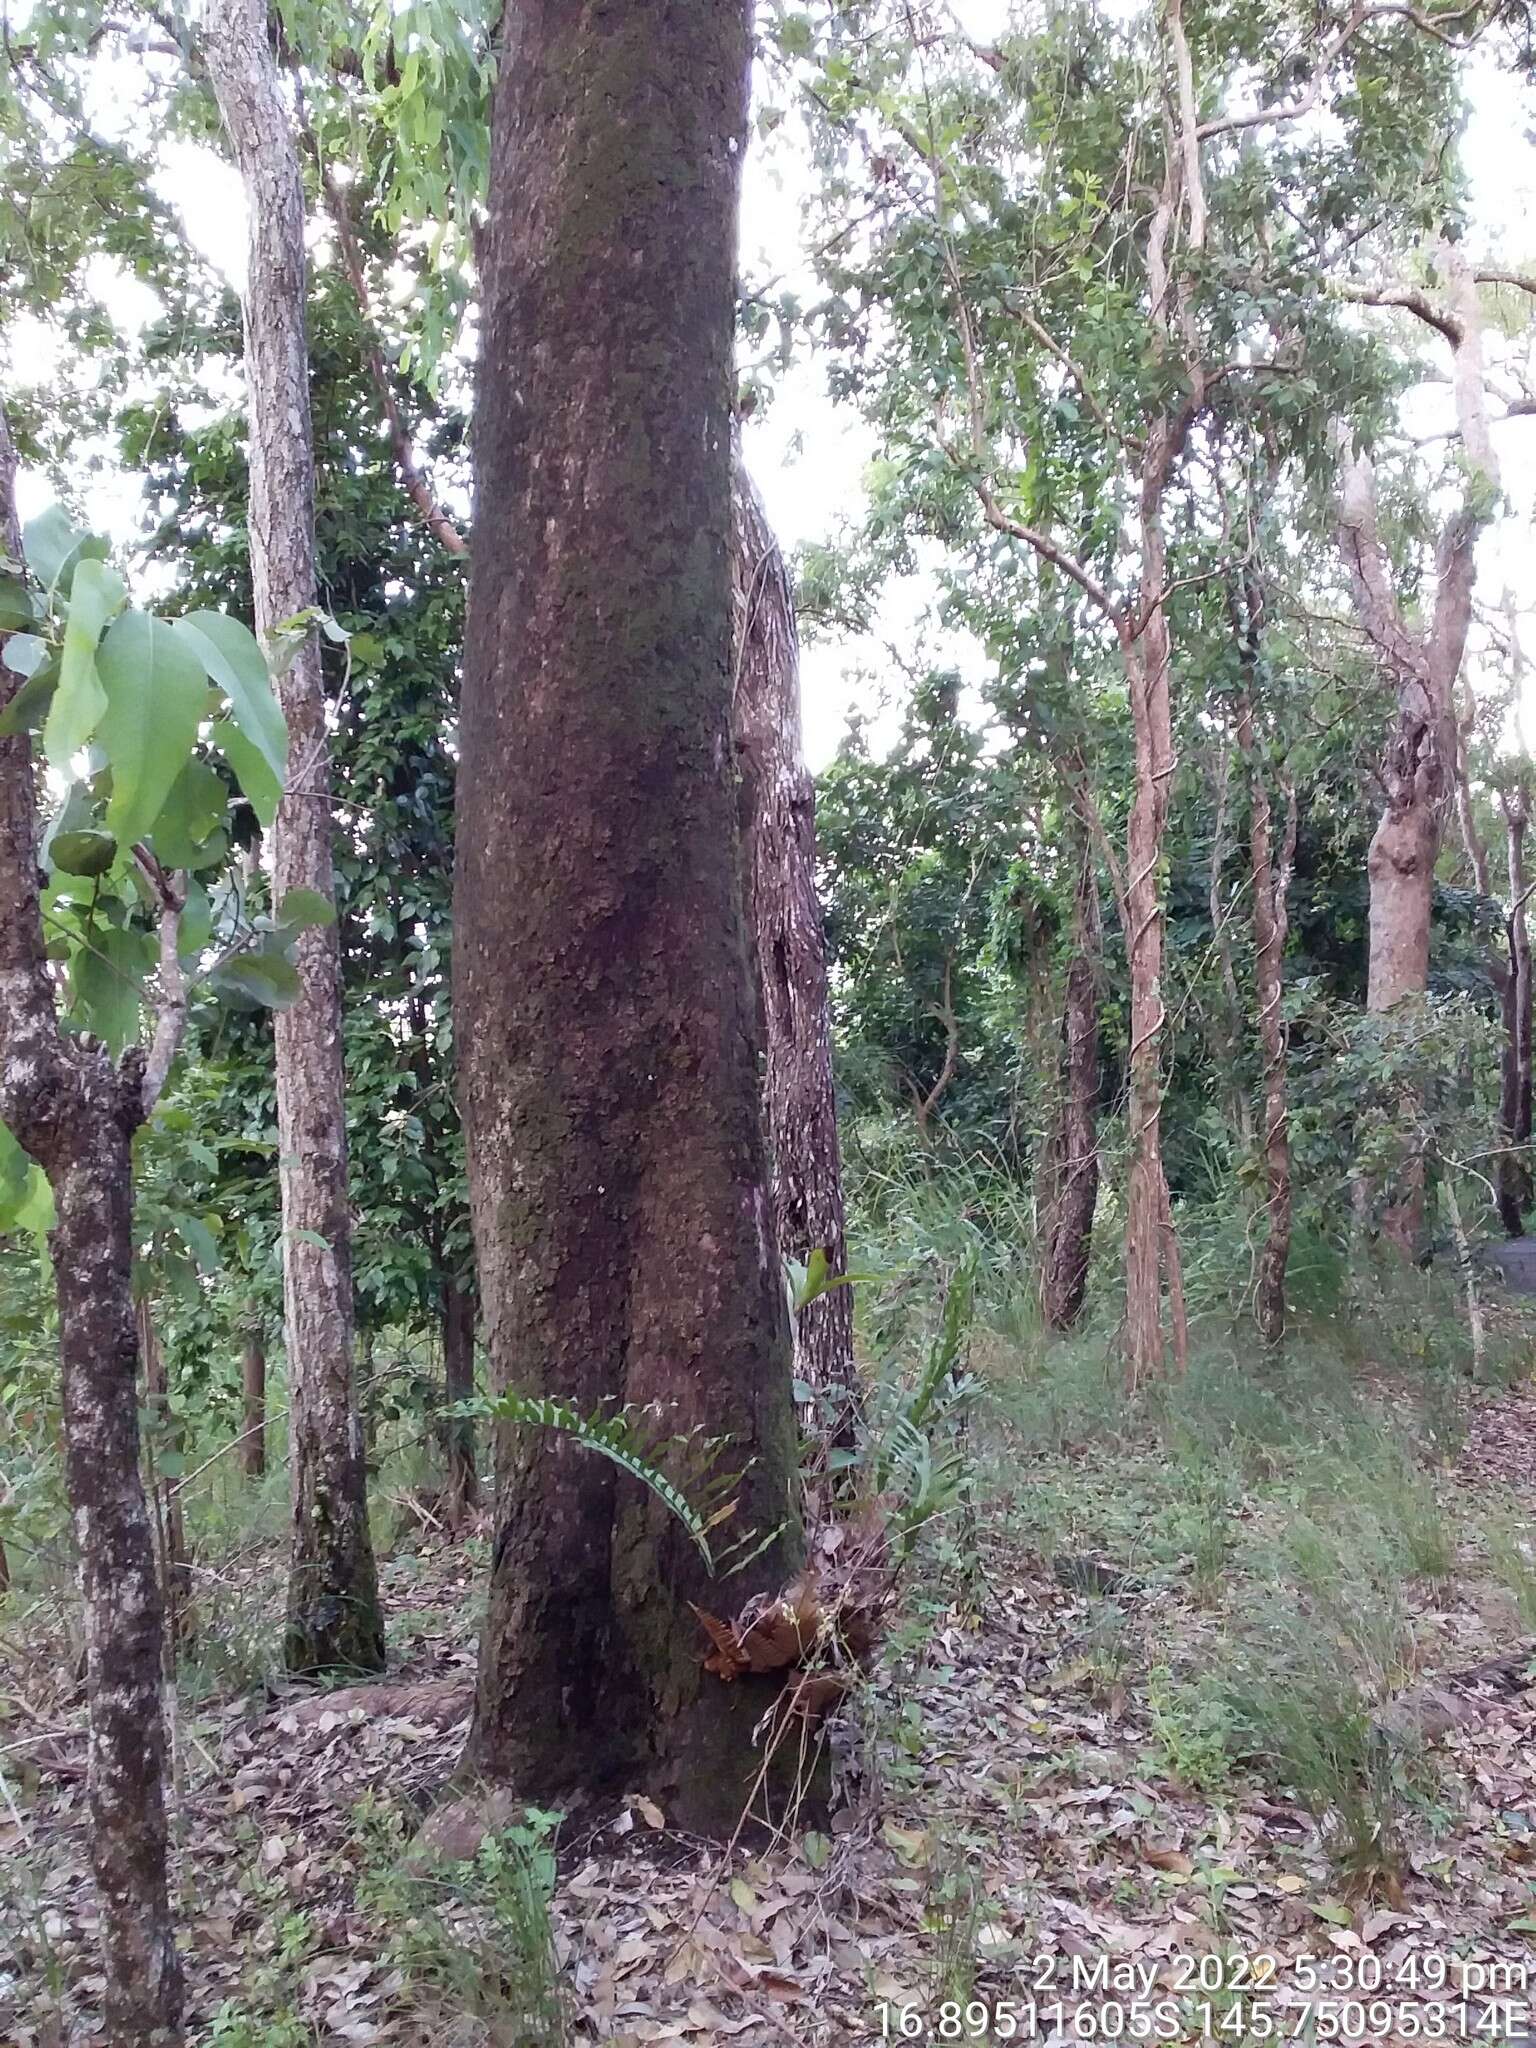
point(1514, 1182)
point(1152, 1261)
point(75, 1113)
point(458, 1325)
point(1072, 1158)
point(334, 1619)
point(1422, 665)
point(777, 810)
point(1270, 873)
point(604, 1014)
point(253, 1405)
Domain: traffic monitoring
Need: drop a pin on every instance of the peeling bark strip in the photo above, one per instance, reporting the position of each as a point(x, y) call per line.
point(75, 1113)
point(334, 1619)
point(603, 1011)
point(777, 810)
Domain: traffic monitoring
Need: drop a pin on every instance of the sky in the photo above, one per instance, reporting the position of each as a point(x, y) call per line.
point(808, 454)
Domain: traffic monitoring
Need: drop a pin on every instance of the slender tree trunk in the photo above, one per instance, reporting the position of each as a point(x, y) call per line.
point(1151, 1244)
point(463, 1489)
point(603, 1008)
point(1271, 883)
point(75, 1114)
point(334, 1618)
point(1072, 1160)
point(253, 1405)
point(167, 1435)
point(777, 810)
point(1515, 1083)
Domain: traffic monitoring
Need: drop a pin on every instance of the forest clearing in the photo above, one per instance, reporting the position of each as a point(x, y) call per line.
point(766, 1022)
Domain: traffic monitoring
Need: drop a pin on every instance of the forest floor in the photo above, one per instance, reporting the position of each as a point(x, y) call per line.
point(1167, 1698)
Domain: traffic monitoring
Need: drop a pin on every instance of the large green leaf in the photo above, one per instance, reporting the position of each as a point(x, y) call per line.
point(54, 548)
point(17, 611)
point(252, 769)
point(231, 658)
point(29, 707)
point(106, 979)
point(189, 817)
point(263, 977)
point(156, 697)
point(25, 653)
point(79, 700)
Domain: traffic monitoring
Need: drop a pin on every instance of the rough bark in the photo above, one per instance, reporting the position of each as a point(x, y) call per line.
point(1072, 1158)
point(1514, 1182)
point(1271, 883)
point(604, 1013)
point(1151, 1245)
point(334, 1620)
point(458, 1325)
point(75, 1113)
point(777, 811)
point(1423, 666)
point(253, 1405)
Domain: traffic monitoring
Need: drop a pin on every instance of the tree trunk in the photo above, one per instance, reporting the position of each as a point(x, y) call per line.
point(1271, 883)
point(1419, 772)
point(777, 810)
point(463, 1489)
point(1151, 1244)
point(75, 1114)
point(334, 1619)
point(1072, 1159)
point(166, 1435)
point(1515, 1081)
point(253, 1406)
point(604, 1014)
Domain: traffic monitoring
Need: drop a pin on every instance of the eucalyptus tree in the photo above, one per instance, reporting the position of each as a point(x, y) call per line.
point(1089, 244)
point(605, 1023)
point(334, 1620)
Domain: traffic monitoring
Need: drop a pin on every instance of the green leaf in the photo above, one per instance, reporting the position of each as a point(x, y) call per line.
point(264, 978)
point(85, 852)
point(79, 701)
point(17, 611)
point(25, 653)
point(253, 771)
point(232, 658)
point(301, 907)
point(106, 979)
point(155, 702)
point(54, 549)
point(29, 707)
point(189, 817)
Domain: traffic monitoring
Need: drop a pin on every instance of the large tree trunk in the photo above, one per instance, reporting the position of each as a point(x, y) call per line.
point(1072, 1161)
point(604, 1015)
point(334, 1619)
point(777, 809)
point(1515, 1080)
point(1423, 665)
point(253, 1405)
point(463, 1481)
point(75, 1114)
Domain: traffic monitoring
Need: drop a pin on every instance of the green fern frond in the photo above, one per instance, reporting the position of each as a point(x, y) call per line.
point(613, 1437)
